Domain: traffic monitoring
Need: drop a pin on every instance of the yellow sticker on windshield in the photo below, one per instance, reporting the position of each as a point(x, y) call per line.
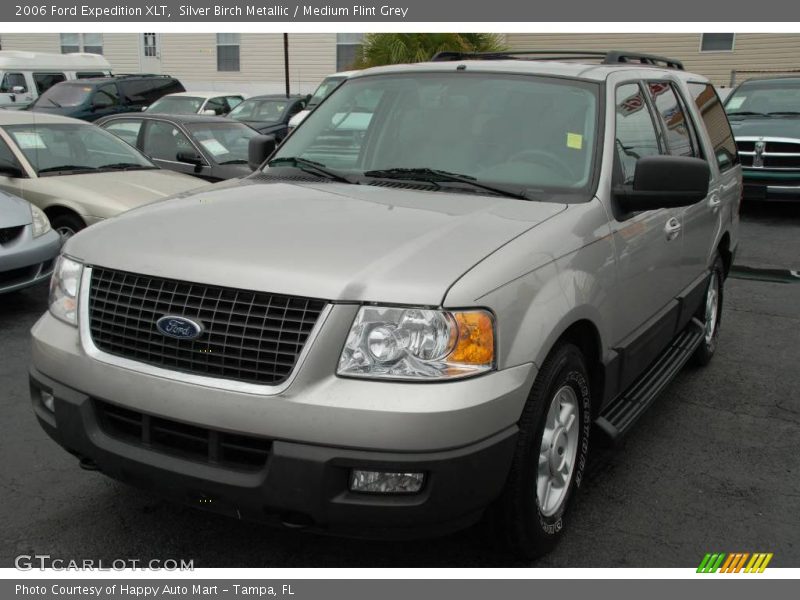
point(574, 140)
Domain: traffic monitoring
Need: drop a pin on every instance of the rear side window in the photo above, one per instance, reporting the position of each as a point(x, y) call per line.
point(12, 80)
point(127, 130)
point(89, 74)
point(44, 81)
point(635, 132)
point(677, 128)
point(717, 125)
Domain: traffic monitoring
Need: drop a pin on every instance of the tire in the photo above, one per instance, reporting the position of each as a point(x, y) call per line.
point(529, 522)
point(710, 313)
point(67, 225)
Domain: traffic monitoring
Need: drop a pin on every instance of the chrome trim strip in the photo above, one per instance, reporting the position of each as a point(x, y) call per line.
point(757, 138)
point(212, 382)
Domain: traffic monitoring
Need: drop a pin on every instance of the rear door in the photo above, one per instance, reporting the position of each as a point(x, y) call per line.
point(700, 222)
point(648, 243)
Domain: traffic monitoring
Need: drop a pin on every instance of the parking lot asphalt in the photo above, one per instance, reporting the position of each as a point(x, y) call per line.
point(714, 465)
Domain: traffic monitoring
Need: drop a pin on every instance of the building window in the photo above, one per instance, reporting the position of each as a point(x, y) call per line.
point(228, 51)
point(348, 45)
point(150, 44)
point(82, 42)
point(716, 42)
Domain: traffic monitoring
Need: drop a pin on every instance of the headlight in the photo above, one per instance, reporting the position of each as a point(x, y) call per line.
point(418, 344)
point(41, 224)
point(64, 287)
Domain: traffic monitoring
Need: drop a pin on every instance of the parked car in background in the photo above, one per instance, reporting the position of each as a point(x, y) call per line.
point(269, 114)
point(325, 89)
point(196, 103)
point(765, 117)
point(28, 244)
point(91, 99)
point(24, 76)
point(214, 148)
point(77, 173)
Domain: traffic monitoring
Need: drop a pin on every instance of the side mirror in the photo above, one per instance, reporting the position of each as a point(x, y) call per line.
point(144, 108)
point(190, 157)
point(209, 111)
point(9, 170)
point(18, 89)
point(665, 182)
point(259, 149)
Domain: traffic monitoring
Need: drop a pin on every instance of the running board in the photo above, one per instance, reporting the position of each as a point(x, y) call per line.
point(620, 415)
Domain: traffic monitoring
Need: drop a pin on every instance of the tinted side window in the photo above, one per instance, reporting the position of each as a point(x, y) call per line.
point(147, 91)
point(12, 80)
point(716, 122)
point(106, 95)
point(89, 74)
point(44, 81)
point(635, 133)
point(676, 127)
point(164, 141)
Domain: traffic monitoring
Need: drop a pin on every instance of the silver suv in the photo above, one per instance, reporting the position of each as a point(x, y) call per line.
point(409, 319)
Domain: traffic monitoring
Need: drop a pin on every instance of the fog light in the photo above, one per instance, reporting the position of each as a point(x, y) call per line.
point(380, 482)
point(49, 401)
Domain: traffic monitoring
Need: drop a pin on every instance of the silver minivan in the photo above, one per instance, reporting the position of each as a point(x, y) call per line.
point(398, 329)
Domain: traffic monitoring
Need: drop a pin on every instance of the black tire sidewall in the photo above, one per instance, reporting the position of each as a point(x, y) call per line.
point(74, 222)
point(705, 351)
point(531, 532)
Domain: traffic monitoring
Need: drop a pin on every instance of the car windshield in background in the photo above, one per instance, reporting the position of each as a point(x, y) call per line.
point(769, 98)
point(324, 90)
point(65, 95)
point(68, 149)
point(520, 133)
point(226, 142)
point(177, 105)
point(259, 110)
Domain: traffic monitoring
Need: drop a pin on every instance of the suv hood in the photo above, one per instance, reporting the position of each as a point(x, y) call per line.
point(785, 127)
point(328, 240)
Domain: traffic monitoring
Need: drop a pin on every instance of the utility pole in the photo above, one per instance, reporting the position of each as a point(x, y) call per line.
point(286, 60)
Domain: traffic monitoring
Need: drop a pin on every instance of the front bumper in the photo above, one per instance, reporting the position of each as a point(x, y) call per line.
point(28, 261)
point(461, 434)
point(300, 485)
point(775, 186)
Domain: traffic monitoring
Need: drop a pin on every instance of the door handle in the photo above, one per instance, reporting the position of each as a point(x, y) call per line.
point(672, 229)
point(714, 201)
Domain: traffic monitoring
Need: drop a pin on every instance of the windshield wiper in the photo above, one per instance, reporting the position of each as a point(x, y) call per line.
point(439, 176)
point(54, 103)
point(310, 166)
point(68, 168)
point(748, 113)
point(788, 113)
point(123, 166)
point(234, 161)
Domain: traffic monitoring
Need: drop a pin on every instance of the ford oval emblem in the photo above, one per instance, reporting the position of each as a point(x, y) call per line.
point(179, 327)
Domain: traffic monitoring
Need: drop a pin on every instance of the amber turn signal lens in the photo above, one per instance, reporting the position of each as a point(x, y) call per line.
point(475, 344)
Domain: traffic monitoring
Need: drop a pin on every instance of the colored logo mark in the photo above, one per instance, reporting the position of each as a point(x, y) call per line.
point(737, 562)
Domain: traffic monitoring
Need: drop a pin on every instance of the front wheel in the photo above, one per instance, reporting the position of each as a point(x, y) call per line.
point(551, 455)
point(710, 314)
point(67, 225)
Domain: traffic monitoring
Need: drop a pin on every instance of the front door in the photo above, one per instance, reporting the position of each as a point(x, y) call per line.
point(150, 53)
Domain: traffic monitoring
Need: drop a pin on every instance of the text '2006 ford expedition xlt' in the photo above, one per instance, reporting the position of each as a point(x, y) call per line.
point(424, 306)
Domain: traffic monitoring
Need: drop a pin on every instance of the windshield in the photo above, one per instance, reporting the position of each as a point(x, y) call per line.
point(176, 105)
point(767, 98)
point(259, 110)
point(528, 132)
point(65, 95)
point(67, 148)
point(324, 90)
point(226, 142)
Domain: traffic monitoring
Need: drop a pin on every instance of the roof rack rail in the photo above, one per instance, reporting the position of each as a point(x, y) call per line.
point(123, 75)
point(609, 57)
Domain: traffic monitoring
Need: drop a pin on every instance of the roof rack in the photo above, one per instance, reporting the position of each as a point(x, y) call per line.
point(124, 75)
point(610, 57)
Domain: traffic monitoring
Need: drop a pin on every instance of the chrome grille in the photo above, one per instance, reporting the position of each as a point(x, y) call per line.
point(769, 153)
point(248, 336)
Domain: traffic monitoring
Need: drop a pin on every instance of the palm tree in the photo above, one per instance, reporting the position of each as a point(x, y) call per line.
point(394, 48)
